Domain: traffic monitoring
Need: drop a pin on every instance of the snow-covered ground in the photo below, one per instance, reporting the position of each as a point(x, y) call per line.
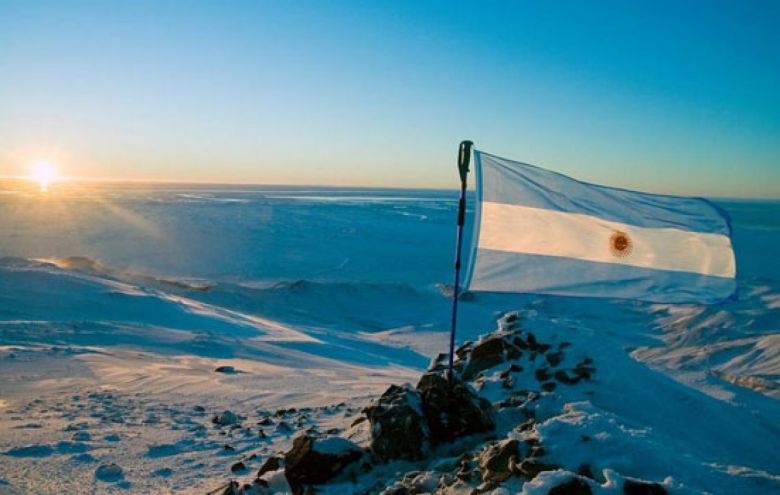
point(118, 303)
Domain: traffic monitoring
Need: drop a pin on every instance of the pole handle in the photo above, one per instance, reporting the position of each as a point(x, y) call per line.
point(464, 159)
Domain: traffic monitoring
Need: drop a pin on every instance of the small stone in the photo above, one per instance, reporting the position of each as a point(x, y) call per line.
point(563, 377)
point(283, 427)
point(586, 471)
point(548, 386)
point(529, 468)
point(271, 464)
point(575, 486)
point(81, 436)
point(542, 374)
point(554, 358)
point(635, 487)
point(315, 461)
point(226, 418)
point(239, 466)
point(232, 488)
point(109, 473)
point(228, 370)
point(495, 460)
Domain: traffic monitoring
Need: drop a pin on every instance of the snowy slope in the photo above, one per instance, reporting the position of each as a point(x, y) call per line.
point(117, 304)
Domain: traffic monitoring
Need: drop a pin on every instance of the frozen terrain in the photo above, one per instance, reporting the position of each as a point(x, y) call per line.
point(118, 303)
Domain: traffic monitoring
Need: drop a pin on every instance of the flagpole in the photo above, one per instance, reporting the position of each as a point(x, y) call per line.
point(464, 157)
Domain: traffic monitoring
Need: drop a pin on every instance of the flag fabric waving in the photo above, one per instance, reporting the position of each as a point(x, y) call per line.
point(538, 231)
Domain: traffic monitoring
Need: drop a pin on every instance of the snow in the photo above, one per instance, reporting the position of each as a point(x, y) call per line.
point(118, 303)
point(334, 446)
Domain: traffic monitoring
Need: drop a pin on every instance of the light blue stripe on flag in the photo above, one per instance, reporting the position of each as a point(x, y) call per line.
point(538, 231)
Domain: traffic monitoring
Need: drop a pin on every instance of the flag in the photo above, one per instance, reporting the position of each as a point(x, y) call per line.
point(537, 231)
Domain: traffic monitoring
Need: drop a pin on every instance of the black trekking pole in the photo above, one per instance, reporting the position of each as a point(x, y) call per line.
point(464, 157)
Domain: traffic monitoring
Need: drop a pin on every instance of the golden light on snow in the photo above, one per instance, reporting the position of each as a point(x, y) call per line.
point(44, 173)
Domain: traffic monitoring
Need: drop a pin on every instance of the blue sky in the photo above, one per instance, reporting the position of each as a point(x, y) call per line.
point(672, 97)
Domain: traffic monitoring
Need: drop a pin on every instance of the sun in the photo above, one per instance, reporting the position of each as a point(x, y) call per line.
point(44, 173)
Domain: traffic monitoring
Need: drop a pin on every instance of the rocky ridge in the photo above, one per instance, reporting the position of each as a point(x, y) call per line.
point(478, 432)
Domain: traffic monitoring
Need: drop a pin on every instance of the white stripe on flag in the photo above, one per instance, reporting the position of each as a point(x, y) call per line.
point(522, 229)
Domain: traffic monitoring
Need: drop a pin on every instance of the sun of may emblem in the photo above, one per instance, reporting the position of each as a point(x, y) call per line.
point(620, 244)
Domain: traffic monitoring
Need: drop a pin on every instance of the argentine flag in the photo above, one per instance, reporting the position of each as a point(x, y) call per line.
point(541, 232)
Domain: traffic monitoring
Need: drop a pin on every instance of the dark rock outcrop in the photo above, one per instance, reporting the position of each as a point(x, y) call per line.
point(452, 409)
point(313, 461)
point(487, 353)
point(399, 429)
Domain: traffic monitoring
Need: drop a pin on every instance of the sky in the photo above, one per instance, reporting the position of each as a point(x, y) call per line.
point(671, 97)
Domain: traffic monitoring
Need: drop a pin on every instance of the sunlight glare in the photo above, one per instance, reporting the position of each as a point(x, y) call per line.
point(44, 173)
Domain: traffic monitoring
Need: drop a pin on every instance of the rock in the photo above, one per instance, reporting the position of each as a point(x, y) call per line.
point(489, 352)
point(81, 436)
point(575, 486)
point(554, 358)
point(513, 368)
point(35, 450)
point(226, 418)
point(452, 409)
point(585, 471)
point(635, 487)
point(397, 490)
point(585, 369)
point(439, 363)
point(109, 473)
point(284, 428)
point(399, 429)
point(232, 488)
point(563, 377)
point(495, 460)
point(271, 464)
point(542, 374)
point(509, 321)
point(315, 461)
point(237, 467)
point(529, 468)
point(229, 370)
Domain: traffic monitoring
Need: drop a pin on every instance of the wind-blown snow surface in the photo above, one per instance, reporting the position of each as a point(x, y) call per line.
point(117, 303)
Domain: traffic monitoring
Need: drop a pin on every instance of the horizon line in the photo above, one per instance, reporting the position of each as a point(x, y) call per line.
point(180, 182)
